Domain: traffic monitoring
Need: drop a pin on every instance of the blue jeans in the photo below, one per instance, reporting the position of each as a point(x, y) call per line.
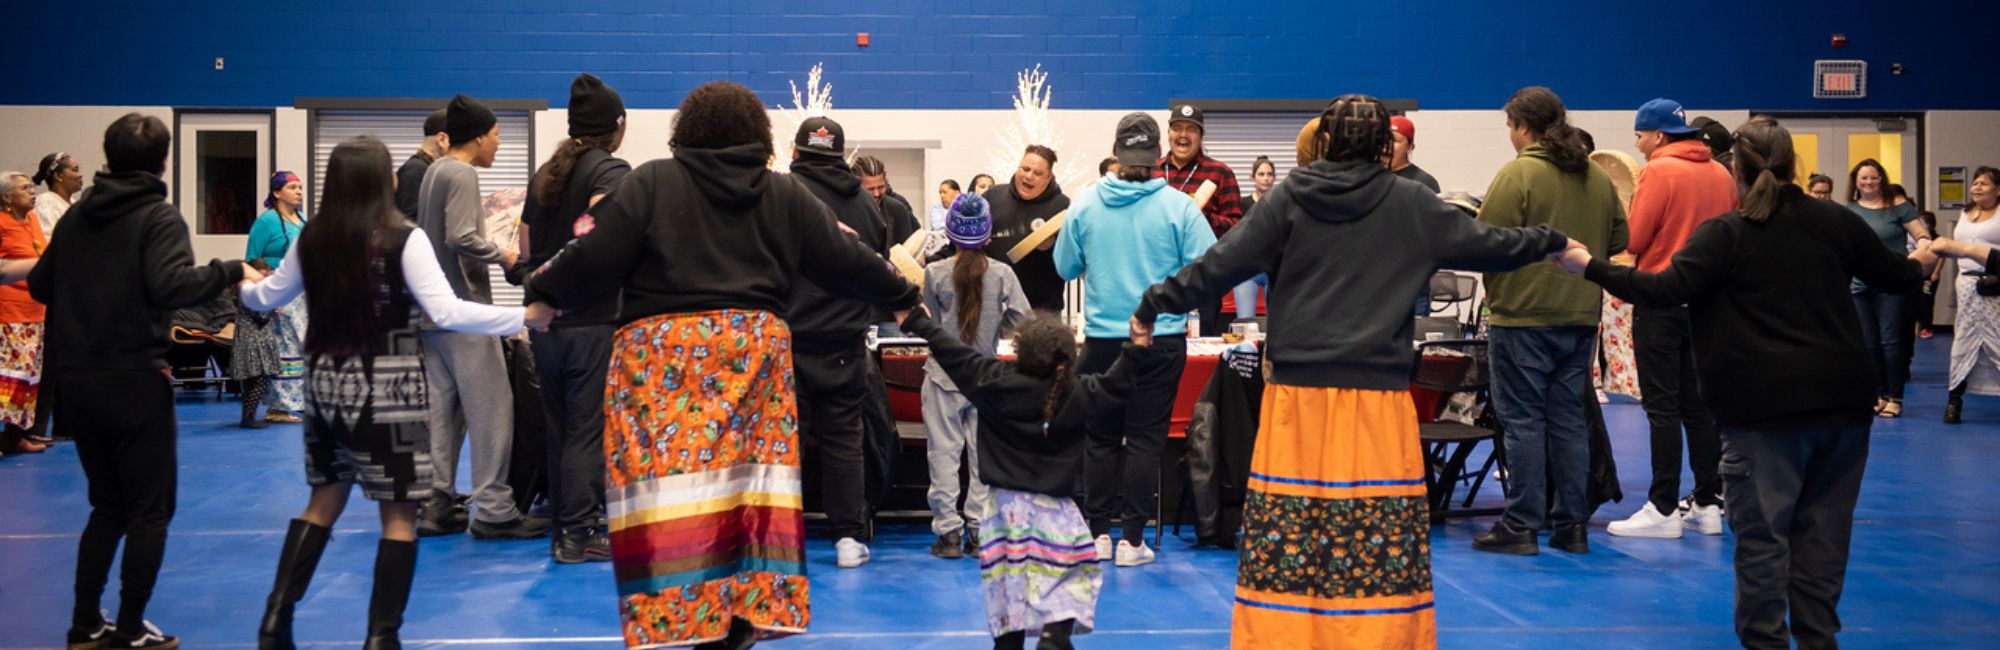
point(1539, 376)
point(1885, 329)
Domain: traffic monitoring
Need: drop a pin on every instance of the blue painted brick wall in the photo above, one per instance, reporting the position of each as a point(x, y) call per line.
point(939, 54)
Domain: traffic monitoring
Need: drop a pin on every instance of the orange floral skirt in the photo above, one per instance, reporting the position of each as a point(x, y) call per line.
point(701, 448)
point(1335, 551)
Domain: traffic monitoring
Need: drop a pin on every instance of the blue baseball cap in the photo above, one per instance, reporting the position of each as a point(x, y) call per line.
point(1664, 115)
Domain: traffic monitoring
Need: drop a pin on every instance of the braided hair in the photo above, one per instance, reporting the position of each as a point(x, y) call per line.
point(1355, 128)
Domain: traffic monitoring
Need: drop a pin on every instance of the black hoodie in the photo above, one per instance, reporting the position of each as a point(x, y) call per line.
point(713, 229)
point(114, 280)
point(1014, 218)
point(1018, 449)
point(816, 315)
point(1343, 242)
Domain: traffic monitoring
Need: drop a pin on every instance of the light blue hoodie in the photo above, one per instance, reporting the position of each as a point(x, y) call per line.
point(1122, 238)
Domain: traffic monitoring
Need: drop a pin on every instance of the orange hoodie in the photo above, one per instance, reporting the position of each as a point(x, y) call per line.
point(1680, 187)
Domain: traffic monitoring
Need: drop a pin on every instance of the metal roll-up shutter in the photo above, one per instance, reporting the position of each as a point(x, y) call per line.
point(1237, 139)
point(505, 184)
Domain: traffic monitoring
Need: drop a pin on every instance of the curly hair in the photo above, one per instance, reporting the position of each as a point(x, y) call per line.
point(1044, 348)
point(719, 115)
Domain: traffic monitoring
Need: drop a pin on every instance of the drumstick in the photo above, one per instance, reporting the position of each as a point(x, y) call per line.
point(1034, 239)
point(1204, 193)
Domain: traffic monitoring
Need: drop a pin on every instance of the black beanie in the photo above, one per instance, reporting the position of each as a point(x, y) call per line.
point(434, 124)
point(466, 119)
point(594, 108)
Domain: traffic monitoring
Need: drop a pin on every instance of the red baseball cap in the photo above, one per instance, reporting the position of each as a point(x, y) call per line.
point(1404, 126)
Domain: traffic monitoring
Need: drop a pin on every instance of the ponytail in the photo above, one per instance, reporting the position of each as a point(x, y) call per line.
point(1540, 111)
point(1764, 155)
point(968, 279)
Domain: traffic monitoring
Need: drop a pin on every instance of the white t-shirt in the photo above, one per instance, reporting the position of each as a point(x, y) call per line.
point(1986, 232)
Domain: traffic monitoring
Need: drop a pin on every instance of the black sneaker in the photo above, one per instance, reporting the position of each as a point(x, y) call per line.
point(149, 638)
point(439, 518)
point(518, 528)
point(972, 541)
point(949, 546)
point(1573, 539)
point(91, 638)
point(578, 545)
point(1504, 539)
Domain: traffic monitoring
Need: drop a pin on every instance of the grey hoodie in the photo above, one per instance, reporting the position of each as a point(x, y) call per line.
point(1346, 245)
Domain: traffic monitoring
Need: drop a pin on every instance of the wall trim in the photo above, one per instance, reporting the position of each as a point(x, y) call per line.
point(410, 104)
point(1279, 105)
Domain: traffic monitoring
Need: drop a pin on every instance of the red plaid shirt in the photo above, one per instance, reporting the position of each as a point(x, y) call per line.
point(1226, 207)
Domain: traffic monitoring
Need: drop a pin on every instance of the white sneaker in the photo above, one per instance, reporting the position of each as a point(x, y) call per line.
point(1705, 519)
point(1648, 522)
point(1103, 547)
point(849, 553)
point(1129, 555)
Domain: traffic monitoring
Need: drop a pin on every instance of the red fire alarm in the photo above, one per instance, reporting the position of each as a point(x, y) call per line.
point(1839, 40)
point(861, 39)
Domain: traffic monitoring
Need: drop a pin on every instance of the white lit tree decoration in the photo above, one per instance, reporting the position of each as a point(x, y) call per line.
point(1033, 126)
point(816, 102)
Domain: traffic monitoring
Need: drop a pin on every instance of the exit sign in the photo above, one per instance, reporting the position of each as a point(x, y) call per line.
point(1840, 79)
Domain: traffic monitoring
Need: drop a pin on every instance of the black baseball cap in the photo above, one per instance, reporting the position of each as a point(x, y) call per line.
point(1138, 143)
point(1188, 113)
point(821, 136)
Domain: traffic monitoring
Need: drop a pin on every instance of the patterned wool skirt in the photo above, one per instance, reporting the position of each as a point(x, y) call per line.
point(701, 447)
point(20, 372)
point(1037, 563)
point(1335, 550)
point(365, 423)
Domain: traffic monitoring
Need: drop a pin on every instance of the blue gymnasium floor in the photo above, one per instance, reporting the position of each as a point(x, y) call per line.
point(1925, 570)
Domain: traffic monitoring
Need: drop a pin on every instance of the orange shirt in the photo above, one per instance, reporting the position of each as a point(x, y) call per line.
point(20, 239)
point(1680, 187)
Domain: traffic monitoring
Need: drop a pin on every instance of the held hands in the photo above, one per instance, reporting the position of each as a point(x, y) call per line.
point(1927, 254)
point(251, 275)
point(903, 315)
point(1573, 258)
point(1142, 333)
point(537, 316)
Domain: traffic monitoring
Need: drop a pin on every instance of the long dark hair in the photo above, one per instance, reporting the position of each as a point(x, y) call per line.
point(1766, 164)
point(1540, 111)
point(968, 277)
point(1043, 349)
point(1854, 185)
point(338, 250)
point(553, 176)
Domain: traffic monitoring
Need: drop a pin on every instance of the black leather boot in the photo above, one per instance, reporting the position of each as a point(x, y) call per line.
point(1055, 636)
point(1954, 411)
point(395, 565)
point(304, 542)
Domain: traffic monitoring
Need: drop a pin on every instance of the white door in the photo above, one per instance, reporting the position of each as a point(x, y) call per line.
point(221, 176)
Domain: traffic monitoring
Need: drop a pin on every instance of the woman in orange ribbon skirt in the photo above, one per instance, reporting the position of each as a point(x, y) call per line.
point(700, 425)
point(1335, 550)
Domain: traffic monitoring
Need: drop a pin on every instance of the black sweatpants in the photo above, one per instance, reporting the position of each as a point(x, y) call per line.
point(128, 456)
point(831, 385)
point(1791, 491)
point(1133, 435)
point(1663, 348)
point(572, 362)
